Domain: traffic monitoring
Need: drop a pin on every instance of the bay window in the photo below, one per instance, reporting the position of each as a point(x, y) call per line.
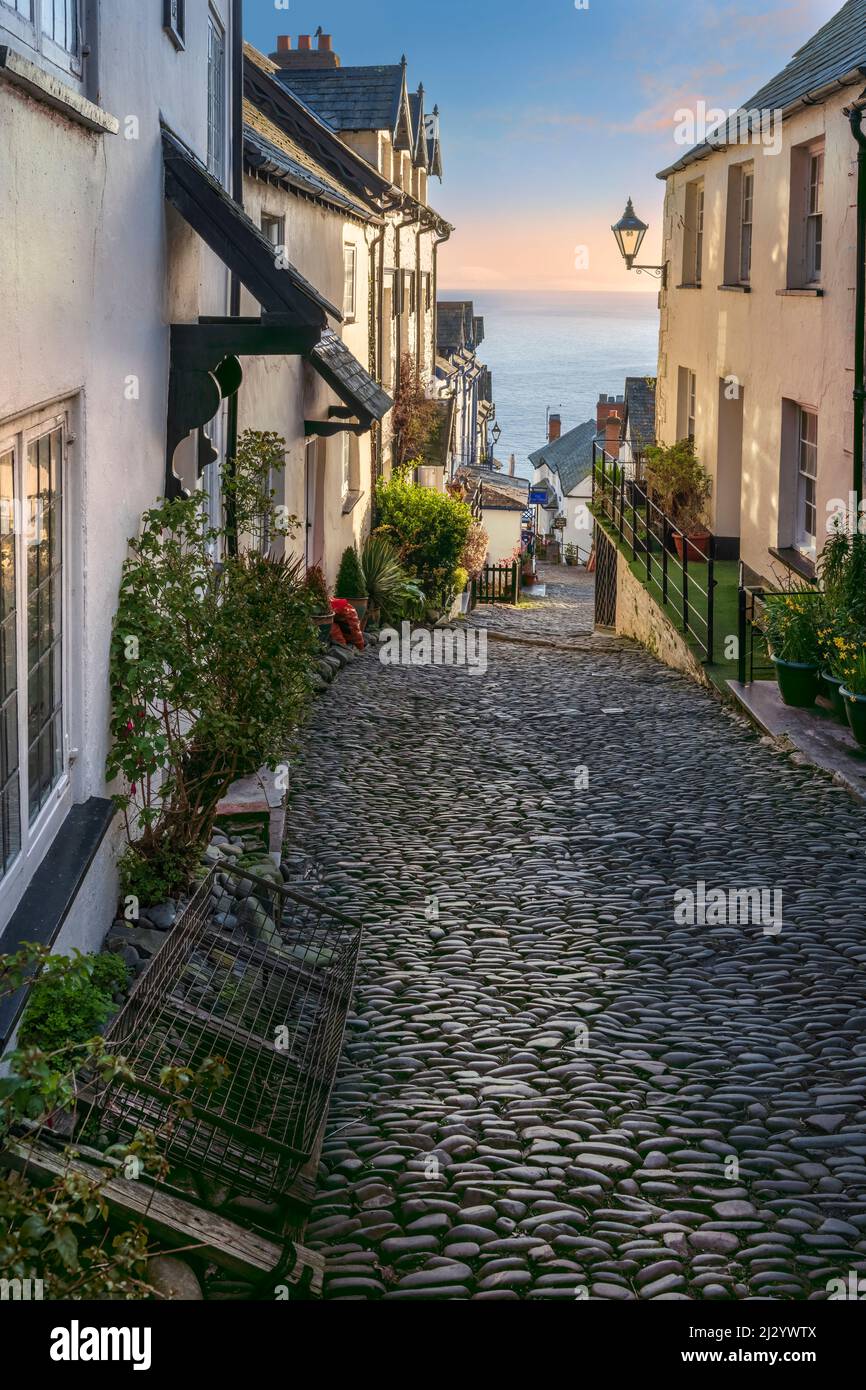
point(32, 707)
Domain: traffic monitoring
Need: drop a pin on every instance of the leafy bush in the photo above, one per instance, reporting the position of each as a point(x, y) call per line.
point(69, 1005)
point(415, 420)
point(210, 674)
point(252, 513)
point(350, 577)
point(678, 483)
point(430, 530)
point(317, 588)
point(792, 624)
point(60, 1233)
point(842, 567)
point(474, 552)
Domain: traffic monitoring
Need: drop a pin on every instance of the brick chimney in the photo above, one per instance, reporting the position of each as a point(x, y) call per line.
point(607, 405)
point(612, 428)
point(554, 428)
point(512, 465)
point(305, 56)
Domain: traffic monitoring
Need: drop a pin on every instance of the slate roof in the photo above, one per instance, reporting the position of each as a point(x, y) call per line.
point(348, 379)
point(269, 150)
point(570, 456)
point(831, 56)
point(362, 98)
point(640, 409)
point(311, 140)
point(456, 325)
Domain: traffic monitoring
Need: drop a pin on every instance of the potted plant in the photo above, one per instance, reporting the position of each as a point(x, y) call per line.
point(351, 583)
point(571, 553)
point(322, 615)
point(461, 587)
point(854, 694)
point(680, 485)
point(791, 627)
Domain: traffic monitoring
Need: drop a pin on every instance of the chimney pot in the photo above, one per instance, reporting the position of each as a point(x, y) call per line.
point(324, 43)
point(304, 43)
point(284, 43)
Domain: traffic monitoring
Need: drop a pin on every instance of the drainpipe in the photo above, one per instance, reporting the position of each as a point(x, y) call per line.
point(377, 295)
point(437, 242)
point(237, 189)
point(855, 116)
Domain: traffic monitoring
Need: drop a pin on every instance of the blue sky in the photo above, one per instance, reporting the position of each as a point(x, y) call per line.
point(553, 115)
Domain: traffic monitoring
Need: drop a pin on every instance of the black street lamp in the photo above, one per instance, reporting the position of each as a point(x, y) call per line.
point(630, 232)
point(496, 434)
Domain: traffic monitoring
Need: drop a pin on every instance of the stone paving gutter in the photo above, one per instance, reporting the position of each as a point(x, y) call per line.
point(551, 1087)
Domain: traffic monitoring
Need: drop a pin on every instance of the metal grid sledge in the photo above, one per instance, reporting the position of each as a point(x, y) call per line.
point(270, 997)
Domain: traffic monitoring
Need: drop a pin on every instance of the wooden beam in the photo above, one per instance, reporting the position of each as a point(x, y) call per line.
point(176, 1222)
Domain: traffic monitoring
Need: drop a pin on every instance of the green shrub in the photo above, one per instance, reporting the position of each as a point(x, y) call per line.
point(678, 483)
point(350, 576)
point(68, 1006)
point(210, 674)
point(317, 587)
point(430, 530)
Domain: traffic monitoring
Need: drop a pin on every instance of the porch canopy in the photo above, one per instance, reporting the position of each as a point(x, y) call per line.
point(294, 321)
point(349, 380)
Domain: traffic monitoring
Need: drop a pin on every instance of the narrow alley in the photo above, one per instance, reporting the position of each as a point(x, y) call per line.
point(551, 1087)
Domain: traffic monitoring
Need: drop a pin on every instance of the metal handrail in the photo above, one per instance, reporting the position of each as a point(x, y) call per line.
point(641, 525)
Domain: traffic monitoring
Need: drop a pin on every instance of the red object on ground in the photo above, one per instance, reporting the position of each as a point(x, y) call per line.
point(337, 635)
point(346, 618)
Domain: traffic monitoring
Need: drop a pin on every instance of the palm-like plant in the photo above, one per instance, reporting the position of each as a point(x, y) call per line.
point(389, 588)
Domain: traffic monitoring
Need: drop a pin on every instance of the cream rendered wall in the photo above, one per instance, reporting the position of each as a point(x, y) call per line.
point(86, 285)
point(579, 527)
point(280, 393)
point(503, 532)
point(799, 348)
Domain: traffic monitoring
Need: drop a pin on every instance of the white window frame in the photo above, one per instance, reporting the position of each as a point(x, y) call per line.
point(746, 224)
point(345, 465)
point(37, 835)
point(691, 403)
point(807, 482)
point(30, 30)
point(697, 269)
point(217, 116)
point(273, 225)
point(815, 216)
point(350, 281)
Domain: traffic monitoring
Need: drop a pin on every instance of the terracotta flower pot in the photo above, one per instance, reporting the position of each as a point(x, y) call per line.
point(699, 546)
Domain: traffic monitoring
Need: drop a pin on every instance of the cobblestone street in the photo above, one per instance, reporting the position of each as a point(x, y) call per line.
point(550, 1087)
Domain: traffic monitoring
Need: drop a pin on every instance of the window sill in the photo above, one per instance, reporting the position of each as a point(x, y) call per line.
point(689, 285)
point(40, 85)
point(52, 891)
point(811, 292)
point(795, 560)
point(736, 289)
point(351, 502)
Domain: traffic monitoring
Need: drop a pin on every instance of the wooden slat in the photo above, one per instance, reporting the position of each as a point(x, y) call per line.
point(176, 1222)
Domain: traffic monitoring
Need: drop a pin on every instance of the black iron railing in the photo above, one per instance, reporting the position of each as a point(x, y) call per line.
point(679, 569)
point(752, 652)
point(496, 584)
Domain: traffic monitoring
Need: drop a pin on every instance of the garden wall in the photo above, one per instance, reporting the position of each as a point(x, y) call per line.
point(639, 616)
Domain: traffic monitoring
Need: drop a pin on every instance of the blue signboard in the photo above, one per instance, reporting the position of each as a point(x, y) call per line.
point(537, 496)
